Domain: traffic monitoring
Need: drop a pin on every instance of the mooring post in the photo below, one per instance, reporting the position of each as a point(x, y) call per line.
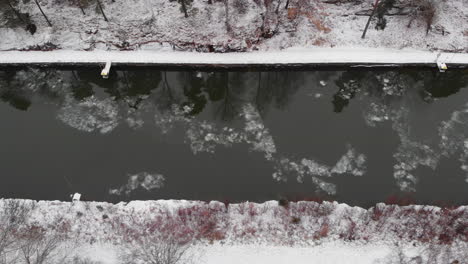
point(440, 64)
point(76, 197)
point(106, 70)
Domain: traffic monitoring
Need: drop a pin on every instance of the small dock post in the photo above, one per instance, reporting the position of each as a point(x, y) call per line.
point(106, 70)
point(76, 197)
point(440, 64)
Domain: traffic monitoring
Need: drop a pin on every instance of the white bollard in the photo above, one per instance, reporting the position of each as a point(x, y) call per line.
point(442, 66)
point(76, 197)
point(105, 71)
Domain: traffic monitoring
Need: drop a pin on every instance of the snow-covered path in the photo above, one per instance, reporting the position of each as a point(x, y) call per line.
point(328, 253)
point(336, 252)
point(289, 57)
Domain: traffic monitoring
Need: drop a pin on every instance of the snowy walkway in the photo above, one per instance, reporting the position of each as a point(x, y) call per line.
point(328, 253)
point(290, 57)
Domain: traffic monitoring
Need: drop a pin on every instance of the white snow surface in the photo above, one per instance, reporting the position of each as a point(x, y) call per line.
point(290, 56)
point(327, 253)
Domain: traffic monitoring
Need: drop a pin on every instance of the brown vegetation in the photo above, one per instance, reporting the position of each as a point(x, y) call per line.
point(424, 11)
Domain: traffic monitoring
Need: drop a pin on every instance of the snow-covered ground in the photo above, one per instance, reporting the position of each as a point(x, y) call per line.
point(229, 26)
point(297, 232)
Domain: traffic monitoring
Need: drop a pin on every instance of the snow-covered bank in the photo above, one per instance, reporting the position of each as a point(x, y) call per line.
point(250, 232)
point(294, 57)
point(231, 26)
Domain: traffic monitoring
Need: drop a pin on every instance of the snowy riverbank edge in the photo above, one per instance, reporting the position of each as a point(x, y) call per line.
point(289, 57)
point(298, 232)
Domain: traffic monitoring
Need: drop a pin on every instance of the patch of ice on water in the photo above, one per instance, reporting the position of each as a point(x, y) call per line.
point(410, 154)
point(134, 122)
point(166, 120)
point(453, 137)
point(90, 114)
point(134, 117)
point(285, 167)
point(453, 132)
point(204, 136)
point(256, 133)
point(392, 83)
point(376, 113)
point(329, 188)
point(145, 180)
point(314, 168)
point(352, 162)
point(464, 159)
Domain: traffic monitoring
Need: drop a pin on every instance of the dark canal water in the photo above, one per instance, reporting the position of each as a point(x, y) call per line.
point(356, 136)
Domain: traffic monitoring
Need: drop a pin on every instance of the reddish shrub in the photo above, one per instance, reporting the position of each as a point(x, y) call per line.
point(350, 233)
point(252, 210)
point(323, 231)
point(226, 203)
point(249, 231)
point(377, 213)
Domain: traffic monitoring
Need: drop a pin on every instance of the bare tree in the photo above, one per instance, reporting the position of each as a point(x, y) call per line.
point(15, 11)
point(424, 10)
point(370, 18)
point(80, 4)
point(156, 249)
point(12, 217)
point(184, 5)
point(102, 10)
point(40, 245)
point(226, 9)
point(46, 18)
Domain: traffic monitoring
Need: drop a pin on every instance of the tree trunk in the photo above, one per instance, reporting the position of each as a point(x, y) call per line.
point(226, 7)
point(16, 12)
point(184, 7)
point(370, 18)
point(47, 19)
point(81, 7)
point(287, 4)
point(102, 10)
